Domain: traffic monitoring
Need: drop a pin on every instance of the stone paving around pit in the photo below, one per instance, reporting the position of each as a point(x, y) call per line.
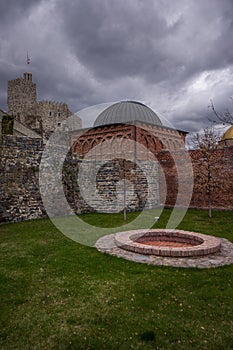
point(106, 244)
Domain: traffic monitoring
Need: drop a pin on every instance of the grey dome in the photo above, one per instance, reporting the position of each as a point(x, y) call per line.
point(126, 112)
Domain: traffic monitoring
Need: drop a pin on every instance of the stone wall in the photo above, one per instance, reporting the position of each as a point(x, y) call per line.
point(20, 195)
point(22, 130)
point(111, 185)
point(52, 114)
point(21, 97)
point(19, 192)
point(41, 116)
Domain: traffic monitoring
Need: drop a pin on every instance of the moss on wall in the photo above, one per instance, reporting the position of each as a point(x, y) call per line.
point(7, 124)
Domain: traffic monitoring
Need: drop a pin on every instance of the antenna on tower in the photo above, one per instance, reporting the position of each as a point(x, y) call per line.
point(28, 59)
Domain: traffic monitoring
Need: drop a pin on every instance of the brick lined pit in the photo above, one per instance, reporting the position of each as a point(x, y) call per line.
point(170, 243)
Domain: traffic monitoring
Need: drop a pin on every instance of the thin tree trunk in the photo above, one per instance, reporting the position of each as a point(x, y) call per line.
point(209, 205)
point(125, 214)
point(124, 193)
point(209, 189)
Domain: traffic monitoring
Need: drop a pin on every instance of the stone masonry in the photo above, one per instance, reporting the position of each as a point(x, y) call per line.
point(41, 116)
point(19, 184)
point(20, 194)
point(19, 190)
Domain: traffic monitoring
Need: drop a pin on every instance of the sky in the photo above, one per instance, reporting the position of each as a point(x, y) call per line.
point(174, 56)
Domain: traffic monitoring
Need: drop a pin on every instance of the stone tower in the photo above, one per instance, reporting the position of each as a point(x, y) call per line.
point(21, 100)
point(41, 116)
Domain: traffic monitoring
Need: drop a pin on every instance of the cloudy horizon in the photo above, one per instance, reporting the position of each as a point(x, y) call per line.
point(173, 56)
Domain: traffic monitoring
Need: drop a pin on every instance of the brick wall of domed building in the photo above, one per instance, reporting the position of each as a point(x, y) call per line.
point(222, 173)
point(110, 139)
point(107, 142)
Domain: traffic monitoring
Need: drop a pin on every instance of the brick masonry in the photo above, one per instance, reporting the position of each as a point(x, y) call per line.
point(107, 244)
point(200, 244)
point(222, 195)
point(20, 195)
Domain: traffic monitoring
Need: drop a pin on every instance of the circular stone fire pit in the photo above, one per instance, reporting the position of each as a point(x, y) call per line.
point(167, 243)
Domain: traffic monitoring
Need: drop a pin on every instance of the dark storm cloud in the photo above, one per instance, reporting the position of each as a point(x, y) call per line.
point(172, 55)
point(150, 38)
point(12, 8)
point(117, 39)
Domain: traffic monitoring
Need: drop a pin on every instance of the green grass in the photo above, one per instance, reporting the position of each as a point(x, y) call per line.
point(97, 301)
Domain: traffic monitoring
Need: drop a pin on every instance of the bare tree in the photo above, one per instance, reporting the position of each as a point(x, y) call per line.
point(224, 118)
point(206, 143)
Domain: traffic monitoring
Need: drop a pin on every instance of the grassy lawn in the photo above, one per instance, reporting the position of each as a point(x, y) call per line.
point(97, 301)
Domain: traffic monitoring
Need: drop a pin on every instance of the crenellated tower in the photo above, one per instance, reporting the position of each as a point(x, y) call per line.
point(21, 99)
point(41, 116)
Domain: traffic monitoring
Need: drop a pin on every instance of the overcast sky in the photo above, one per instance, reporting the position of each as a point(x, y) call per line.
point(173, 56)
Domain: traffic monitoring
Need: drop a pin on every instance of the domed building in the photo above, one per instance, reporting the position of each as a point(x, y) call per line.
point(127, 120)
point(127, 112)
point(227, 138)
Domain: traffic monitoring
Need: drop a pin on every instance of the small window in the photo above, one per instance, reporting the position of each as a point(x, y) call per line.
point(58, 124)
point(50, 113)
point(59, 114)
